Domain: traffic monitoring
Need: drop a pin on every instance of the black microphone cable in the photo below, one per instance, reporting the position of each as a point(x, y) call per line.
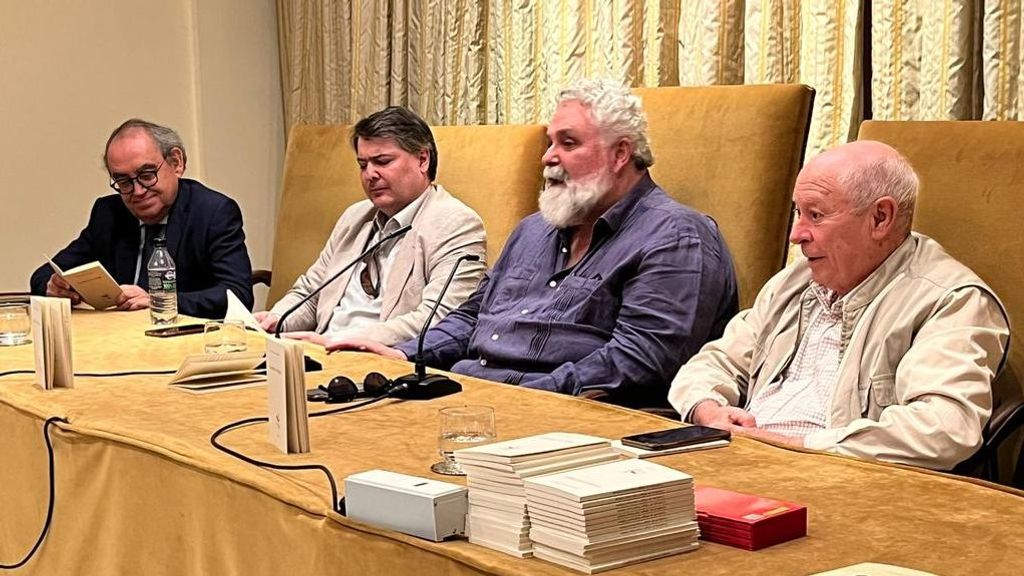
point(52, 498)
point(280, 321)
point(336, 504)
point(99, 374)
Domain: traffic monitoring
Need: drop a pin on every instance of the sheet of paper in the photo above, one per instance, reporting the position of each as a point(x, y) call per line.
point(238, 311)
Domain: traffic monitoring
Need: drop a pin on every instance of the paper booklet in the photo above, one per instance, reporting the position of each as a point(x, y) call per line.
point(238, 311)
point(530, 448)
point(51, 337)
point(584, 484)
point(92, 281)
point(286, 396)
point(873, 569)
point(201, 373)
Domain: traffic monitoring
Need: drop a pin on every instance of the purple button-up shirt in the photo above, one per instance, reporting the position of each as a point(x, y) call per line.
point(655, 285)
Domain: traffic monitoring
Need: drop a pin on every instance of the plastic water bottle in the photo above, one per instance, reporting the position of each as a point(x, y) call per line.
point(163, 284)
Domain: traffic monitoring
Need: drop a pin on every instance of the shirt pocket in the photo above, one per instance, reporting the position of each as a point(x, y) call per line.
point(588, 301)
point(509, 289)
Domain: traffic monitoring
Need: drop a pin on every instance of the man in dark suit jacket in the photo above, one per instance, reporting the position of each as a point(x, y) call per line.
point(203, 228)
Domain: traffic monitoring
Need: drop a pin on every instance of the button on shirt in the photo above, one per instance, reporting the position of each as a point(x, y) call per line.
point(796, 405)
point(655, 285)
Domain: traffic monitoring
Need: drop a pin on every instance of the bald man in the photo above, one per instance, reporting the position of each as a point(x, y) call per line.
point(876, 344)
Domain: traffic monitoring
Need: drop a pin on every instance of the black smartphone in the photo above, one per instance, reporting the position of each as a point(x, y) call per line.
point(676, 437)
point(171, 331)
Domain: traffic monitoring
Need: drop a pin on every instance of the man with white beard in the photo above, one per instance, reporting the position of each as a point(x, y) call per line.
point(606, 291)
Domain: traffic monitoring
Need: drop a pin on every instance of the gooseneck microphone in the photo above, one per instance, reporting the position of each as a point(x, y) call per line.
point(419, 385)
point(400, 232)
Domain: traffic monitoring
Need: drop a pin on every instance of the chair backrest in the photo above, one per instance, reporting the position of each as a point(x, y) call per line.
point(971, 177)
point(734, 152)
point(496, 170)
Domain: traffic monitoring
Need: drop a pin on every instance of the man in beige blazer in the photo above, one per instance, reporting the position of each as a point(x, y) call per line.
point(387, 296)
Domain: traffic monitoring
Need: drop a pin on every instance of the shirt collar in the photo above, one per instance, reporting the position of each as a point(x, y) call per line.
point(866, 291)
point(613, 217)
point(404, 217)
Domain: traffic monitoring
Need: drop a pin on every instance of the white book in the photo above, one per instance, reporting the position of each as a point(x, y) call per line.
point(520, 449)
point(591, 567)
point(92, 282)
point(582, 545)
point(604, 480)
point(286, 396)
point(51, 338)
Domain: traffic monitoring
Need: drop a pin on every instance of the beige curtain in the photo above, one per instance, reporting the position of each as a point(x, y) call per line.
point(503, 61)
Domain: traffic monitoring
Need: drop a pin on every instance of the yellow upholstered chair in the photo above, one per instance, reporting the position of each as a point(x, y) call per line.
point(496, 170)
point(733, 152)
point(972, 174)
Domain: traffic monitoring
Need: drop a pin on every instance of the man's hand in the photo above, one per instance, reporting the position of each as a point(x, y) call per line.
point(58, 288)
point(363, 345)
point(132, 298)
point(305, 336)
point(766, 435)
point(268, 320)
point(709, 413)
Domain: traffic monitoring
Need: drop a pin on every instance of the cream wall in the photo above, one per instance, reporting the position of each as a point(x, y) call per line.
point(72, 71)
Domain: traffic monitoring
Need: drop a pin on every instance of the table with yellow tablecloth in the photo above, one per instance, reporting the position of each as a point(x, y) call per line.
point(140, 490)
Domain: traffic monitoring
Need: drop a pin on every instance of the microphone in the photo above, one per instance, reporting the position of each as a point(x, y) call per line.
point(401, 231)
point(419, 385)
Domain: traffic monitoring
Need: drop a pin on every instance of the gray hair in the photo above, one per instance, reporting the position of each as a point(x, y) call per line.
point(165, 138)
point(891, 176)
point(617, 112)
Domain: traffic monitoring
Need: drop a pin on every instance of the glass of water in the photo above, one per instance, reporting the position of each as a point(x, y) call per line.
point(462, 427)
point(222, 337)
point(14, 324)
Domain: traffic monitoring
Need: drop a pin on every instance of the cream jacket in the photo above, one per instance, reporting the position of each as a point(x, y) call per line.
point(923, 338)
point(443, 229)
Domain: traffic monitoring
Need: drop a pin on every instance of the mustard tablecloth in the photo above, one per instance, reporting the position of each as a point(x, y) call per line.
point(140, 490)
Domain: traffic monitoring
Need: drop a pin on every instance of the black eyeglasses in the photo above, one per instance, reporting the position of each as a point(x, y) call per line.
point(146, 178)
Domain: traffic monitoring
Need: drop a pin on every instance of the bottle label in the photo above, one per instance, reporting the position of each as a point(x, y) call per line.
point(164, 280)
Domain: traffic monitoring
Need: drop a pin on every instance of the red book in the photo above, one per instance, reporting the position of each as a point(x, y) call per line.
point(747, 521)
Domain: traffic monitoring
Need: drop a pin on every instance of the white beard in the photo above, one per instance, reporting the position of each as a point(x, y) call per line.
point(568, 204)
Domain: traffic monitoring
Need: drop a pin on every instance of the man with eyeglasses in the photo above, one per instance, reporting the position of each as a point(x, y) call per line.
point(203, 228)
point(388, 295)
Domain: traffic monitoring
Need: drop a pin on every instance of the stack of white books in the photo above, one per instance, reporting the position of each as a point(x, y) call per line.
point(611, 515)
point(495, 474)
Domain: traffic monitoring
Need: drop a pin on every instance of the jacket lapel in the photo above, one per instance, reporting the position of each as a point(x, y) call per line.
point(177, 219)
point(349, 246)
point(406, 255)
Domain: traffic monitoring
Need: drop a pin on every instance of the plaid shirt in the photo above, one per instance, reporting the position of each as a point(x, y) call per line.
point(796, 404)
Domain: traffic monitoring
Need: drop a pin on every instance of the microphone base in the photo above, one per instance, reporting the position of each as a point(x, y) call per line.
point(410, 387)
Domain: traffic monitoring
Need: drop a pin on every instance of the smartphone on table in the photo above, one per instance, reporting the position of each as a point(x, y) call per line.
point(171, 331)
point(675, 437)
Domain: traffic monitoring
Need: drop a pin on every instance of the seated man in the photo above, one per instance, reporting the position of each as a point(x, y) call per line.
point(387, 297)
point(203, 228)
point(876, 344)
point(609, 288)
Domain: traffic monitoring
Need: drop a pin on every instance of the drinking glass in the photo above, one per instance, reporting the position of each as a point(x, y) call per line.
point(14, 324)
point(221, 337)
point(462, 427)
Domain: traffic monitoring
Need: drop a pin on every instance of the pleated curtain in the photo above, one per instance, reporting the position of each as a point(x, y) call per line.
point(503, 61)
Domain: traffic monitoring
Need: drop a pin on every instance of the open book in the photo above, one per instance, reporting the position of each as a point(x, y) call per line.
point(201, 373)
point(92, 281)
point(51, 336)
